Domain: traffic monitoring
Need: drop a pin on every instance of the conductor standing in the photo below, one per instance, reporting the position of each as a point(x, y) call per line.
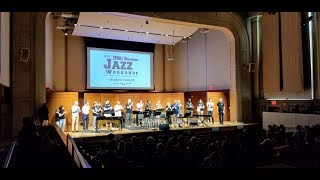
point(221, 109)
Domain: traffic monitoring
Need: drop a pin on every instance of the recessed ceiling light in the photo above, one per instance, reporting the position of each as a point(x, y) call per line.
point(147, 32)
point(184, 37)
point(126, 30)
point(166, 34)
point(75, 24)
point(101, 27)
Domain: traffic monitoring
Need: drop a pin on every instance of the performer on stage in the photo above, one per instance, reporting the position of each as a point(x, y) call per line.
point(75, 109)
point(85, 115)
point(107, 111)
point(129, 107)
point(95, 112)
point(221, 110)
point(179, 113)
point(158, 106)
point(168, 108)
point(210, 109)
point(148, 107)
point(100, 111)
point(44, 115)
point(190, 107)
point(62, 117)
point(200, 108)
point(57, 117)
point(118, 109)
point(140, 116)
point(175, 109)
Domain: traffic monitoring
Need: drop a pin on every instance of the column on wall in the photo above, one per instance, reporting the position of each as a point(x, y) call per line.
point(270, 54)
point(292, 61)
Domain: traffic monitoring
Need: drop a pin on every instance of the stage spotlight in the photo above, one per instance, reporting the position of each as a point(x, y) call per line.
point(65, 33)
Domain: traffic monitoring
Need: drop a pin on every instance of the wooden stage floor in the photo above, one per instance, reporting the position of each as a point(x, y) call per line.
point(214, 127)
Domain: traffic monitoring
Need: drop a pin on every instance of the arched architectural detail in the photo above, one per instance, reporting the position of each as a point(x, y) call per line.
point(234, 27)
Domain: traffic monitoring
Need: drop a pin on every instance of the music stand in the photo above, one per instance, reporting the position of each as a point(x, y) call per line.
point(156, 113)
point(169, 114)
point(136, 113)
point(146, 114)
point(186, 115)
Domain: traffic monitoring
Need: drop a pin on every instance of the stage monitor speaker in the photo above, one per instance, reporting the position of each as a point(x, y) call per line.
point(164, 127)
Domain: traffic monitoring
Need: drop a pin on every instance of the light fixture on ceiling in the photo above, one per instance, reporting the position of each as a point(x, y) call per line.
point(101, 27)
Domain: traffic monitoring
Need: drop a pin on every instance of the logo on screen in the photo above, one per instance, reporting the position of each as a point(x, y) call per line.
point(123, 65)
point(118, 64)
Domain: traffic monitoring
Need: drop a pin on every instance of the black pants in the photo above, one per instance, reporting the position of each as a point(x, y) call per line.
point(85, 121)
point(211, 114)
point(221, 115)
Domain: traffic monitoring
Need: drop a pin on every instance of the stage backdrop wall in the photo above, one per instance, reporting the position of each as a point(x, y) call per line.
point(135, 97)
point(204, 96)
point(56, 99)
point(202, 61)
point(69, 64)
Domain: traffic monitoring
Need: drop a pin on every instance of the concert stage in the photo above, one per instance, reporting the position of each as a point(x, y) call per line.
point(136, 130)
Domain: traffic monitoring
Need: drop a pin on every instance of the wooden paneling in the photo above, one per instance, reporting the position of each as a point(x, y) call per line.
point(195, 96)
point(215, 99)
point(66, 99)
point(292, 65)
point(270, 54)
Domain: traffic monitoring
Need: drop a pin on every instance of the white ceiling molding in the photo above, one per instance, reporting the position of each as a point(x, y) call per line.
point(129, 27)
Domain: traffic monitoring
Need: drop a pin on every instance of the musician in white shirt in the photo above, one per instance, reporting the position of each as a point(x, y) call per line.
point(118, 109)
point(200, 109)
point(140, 115)
point(158, 106)
point(85, 116)
point(75, 110)
point(210, 109)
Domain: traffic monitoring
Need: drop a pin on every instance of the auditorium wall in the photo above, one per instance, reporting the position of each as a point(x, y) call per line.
point(203, 60)
point(286, 65)
point(69, 67)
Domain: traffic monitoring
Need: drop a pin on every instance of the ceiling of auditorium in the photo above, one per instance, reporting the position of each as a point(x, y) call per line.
point(129, 27)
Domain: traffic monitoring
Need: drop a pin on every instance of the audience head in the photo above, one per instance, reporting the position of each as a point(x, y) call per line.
point(150, 140)
point(44, 105)
point(122, 145)
point(160, 147)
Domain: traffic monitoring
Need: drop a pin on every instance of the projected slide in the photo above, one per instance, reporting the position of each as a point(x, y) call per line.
point(117, 69)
